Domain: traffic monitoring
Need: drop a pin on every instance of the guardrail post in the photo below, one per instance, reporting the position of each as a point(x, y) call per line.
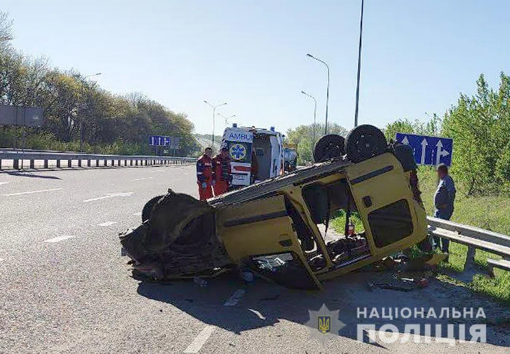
point(32, 164)
point(58, 163)
point(79, 162)
point(69, 163)
point(15, 164)
point(97, 163)
point(88, 163)
point(470, 257)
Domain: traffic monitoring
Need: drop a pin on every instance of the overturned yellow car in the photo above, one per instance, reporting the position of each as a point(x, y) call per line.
point(278, 228)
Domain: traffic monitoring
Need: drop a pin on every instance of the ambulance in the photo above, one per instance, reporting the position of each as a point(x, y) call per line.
point(256, 154)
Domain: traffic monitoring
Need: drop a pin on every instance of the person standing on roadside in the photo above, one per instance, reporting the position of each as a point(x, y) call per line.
point(444, 199)
point(222, 174)
point(204, 175)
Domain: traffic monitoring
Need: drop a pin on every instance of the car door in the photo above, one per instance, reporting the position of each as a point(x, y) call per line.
point(260, 234)
point(385, 204)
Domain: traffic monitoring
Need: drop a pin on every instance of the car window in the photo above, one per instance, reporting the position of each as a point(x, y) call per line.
point(391, 223)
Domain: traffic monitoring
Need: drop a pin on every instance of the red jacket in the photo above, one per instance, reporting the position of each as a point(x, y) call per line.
point(221, 168)
point(204, 169)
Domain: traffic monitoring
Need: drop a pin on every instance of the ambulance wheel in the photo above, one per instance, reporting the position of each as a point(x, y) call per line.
point(363, 142)
point(149, 207)
point(328, 147)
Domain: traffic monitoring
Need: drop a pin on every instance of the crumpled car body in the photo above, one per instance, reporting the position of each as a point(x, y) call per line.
point(279, 228)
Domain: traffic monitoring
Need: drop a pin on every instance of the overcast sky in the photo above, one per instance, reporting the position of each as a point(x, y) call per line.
point(418, 55)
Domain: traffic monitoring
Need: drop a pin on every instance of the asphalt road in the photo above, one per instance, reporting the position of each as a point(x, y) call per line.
point(66, 289)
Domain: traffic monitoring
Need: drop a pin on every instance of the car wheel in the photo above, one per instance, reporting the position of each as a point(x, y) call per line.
point(364, 142)
point(149, 207)
point(328, 147)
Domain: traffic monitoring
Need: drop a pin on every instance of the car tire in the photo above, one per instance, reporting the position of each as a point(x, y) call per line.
point(363, 142)
point(328, 147)
point(148, 208)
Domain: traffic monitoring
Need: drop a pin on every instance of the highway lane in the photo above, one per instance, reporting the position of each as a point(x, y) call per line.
point(65, 288)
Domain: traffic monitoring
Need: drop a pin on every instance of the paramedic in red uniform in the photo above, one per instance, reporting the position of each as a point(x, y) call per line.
point(204, 175)
point(222, 174)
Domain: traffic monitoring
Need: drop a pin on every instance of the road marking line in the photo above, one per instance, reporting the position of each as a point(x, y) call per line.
point(108, 223)
point(138, 214)
point(200, 340)
point(3, 183)
point(141, 179)
point(109, 195)
point(157, 171)
point(1, 259)
point(234, 299)
point(58, 239)
point(259, 315)
point(32, 192)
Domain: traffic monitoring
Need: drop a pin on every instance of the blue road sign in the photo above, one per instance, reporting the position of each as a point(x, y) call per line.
point(428, 150)
point(158, 140)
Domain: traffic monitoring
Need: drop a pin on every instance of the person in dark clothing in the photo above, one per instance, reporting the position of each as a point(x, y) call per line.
point(222, 175)
point(444, 199)
point(204, 175)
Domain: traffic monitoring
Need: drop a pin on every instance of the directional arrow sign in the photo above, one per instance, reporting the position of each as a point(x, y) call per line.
point(428, 150)
point(423, 150)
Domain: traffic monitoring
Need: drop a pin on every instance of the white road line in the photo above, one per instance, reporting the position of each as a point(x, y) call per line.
point(3, 183)
point(58, 239)
point(108, 223)
point(138, 214)
point(109, 195)
point(259, 315)
point(141, 179)
point(1, 259)
point(234, 299)
point(200, 340)
point(32, 192)
point(157, 171)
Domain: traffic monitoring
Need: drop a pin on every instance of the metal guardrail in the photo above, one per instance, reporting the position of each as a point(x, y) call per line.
point(91, 160)
point(475, 238)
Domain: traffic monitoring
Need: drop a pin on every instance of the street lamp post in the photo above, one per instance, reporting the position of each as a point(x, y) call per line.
point(359, 63)
point(327, 92)
point(214, 117)
point(226, 118)
point(314, 112)
point(81, 119)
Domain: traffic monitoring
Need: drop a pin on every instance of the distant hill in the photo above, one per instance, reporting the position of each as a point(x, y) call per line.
point(205, 140)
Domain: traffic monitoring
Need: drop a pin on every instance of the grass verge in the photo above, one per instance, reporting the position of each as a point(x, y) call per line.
point(488, 212)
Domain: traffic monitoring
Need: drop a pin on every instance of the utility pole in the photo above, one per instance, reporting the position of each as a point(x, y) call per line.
point(214, 118)
point(327, 92)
